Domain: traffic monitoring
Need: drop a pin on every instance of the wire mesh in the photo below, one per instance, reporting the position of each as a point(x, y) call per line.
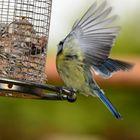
point(24, 31)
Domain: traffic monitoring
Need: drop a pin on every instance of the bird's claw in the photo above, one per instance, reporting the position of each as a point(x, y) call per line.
point(69, 92)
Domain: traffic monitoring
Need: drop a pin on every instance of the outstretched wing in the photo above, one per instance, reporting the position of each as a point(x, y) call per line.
point(94, 33)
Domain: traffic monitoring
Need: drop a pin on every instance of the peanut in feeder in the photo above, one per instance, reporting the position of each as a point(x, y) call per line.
point(24, 31)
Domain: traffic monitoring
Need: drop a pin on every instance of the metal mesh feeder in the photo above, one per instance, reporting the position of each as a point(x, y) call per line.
point(24, 31)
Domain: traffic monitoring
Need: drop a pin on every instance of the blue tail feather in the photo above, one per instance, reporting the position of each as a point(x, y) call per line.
point(108, 104)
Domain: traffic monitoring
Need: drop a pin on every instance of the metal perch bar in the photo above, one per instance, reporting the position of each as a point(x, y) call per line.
point(30, 90)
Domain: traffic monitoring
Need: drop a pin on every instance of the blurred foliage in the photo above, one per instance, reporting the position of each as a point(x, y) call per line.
point(128, 41)
point(33, 119)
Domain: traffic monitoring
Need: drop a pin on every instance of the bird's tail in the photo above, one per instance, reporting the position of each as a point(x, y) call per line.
point(100, 94)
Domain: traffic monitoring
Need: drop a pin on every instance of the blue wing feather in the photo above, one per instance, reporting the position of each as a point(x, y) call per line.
point(94, 32)
point(110, 66)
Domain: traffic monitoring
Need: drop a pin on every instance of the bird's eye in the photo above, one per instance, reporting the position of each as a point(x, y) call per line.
point(60, 47)
point(61, 43)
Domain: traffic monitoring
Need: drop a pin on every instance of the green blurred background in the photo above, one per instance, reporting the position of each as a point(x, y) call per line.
point(87, 119)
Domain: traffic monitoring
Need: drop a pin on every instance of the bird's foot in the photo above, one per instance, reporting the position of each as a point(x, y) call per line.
point(69, 92)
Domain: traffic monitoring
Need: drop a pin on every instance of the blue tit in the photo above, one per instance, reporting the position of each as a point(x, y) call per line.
point(86, 50)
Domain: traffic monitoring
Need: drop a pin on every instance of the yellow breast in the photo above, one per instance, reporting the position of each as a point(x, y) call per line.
point(71, 71)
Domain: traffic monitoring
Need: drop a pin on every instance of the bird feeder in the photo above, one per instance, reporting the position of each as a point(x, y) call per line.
point(24, 32)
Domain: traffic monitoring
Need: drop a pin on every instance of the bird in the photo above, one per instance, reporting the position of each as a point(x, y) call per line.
point(85, 51)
